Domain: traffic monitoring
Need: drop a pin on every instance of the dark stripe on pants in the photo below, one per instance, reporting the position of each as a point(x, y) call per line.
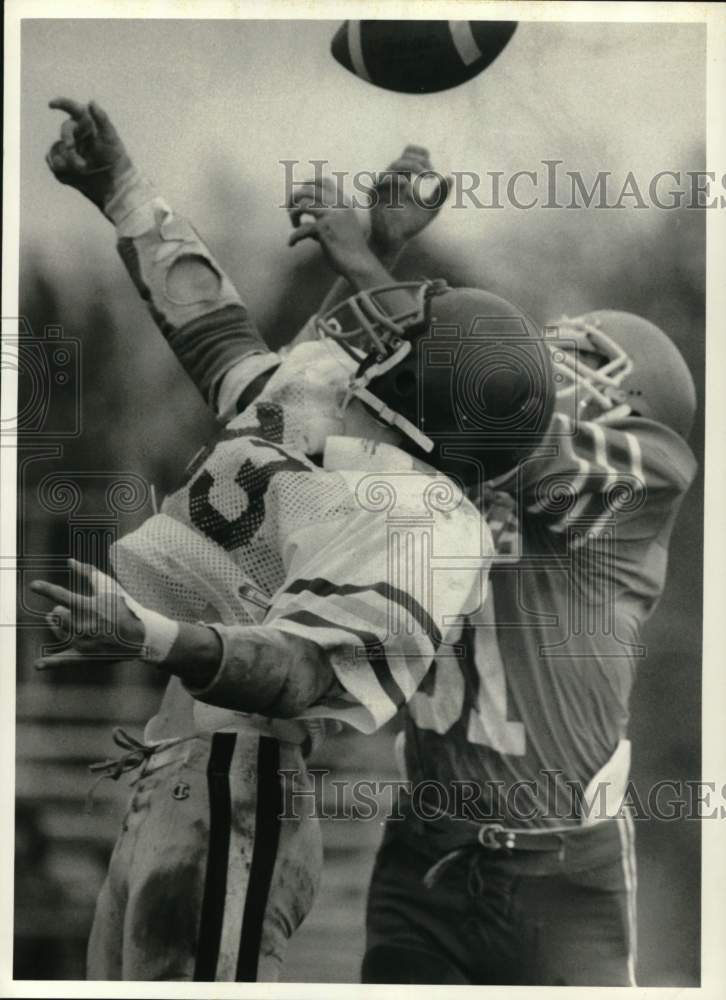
point(267, 838)
point(215, 886)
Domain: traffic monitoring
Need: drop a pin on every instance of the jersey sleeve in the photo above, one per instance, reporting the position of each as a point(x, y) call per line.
point(378, 595)
point(379, 590)
point(190, 298)
point(585, 477)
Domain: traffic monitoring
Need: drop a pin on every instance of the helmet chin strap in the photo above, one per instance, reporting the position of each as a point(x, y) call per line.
point(389, 336)
point(358, 389)
point(391, 417)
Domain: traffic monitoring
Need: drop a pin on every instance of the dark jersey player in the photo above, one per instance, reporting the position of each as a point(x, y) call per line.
point(533, 881)
point(515, 861)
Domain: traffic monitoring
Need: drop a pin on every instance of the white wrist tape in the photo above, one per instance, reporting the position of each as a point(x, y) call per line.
point(159, 632)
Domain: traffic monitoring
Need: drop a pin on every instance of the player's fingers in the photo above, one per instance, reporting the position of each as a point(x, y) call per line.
point(66, 658)
point(74, 162)
point(322, 190)
point(316, 211)
point(85, 130)
point(59, 595)
point(308, 230)
point(415, 163)
point(325, 188)
point(57, 157)
point(440, 193)
point(399, 166)
point(307, 190)
point(68, 133)
point(59, 621)
point(417, 152)
point(102, 122)
point(409, 163)
point(80, 128)
point(391, 180)
point(414, 167)
point(74, 108)
point(98, 581)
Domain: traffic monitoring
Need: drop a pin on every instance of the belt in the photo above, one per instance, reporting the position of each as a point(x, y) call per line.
point(495, 837)
point(539, 851)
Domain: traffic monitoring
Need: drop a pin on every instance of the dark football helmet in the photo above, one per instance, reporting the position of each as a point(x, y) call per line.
point(463, 374)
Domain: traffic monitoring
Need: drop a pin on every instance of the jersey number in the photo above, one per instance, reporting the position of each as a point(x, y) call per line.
point(487, 724)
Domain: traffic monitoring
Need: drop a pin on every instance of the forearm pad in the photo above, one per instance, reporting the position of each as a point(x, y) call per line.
point(267, 672)
point(190, 298)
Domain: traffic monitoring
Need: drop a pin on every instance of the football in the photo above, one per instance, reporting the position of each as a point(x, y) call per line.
point(419, 57)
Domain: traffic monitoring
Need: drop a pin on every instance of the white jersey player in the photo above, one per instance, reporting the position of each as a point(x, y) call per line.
point(308, 569)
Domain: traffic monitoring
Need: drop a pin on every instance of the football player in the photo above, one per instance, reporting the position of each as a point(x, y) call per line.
point(279, 543)
point(516, 864)
point(522, 871)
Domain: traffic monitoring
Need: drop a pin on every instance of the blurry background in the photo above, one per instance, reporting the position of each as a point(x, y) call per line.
point(208, 109)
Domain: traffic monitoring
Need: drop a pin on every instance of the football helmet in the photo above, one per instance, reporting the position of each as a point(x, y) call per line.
point(609, 364)
point(462, 373)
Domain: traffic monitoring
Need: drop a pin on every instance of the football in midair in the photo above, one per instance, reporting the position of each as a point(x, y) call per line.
point(419, 57)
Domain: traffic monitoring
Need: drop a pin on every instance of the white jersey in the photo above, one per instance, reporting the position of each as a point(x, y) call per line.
point(365, 555)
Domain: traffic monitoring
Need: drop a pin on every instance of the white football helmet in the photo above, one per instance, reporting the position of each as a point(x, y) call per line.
point(609, 364)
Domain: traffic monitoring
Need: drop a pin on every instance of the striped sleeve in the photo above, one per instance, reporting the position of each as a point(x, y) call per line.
point(590, 475)
point(190, 298)
point(378, 596)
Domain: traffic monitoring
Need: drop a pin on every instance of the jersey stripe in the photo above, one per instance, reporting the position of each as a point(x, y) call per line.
point(583, 465)
point(215, 886)
point(632, 460)
point(324, 588)
point(267, 838)
point(604, 468)
point(625, 829)
point(601, 462)
point(636, 458)
point(409, 652)
point(376, 655)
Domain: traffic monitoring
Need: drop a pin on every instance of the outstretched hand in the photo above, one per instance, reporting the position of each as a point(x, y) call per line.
point(400, 207)
point(89, 155)
point(97, 625)
point(334, 226)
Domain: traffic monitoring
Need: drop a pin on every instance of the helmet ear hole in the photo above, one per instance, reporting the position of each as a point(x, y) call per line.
point(404, 383)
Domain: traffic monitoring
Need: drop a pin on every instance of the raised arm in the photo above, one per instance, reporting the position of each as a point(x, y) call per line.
point(191, 299)
point(399, 211)
point(265, 670)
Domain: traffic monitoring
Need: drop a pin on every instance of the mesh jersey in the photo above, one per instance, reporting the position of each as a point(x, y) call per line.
point(542, 696)
point(371, 565)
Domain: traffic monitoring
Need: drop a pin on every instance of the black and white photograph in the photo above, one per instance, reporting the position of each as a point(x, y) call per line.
point(360, 441)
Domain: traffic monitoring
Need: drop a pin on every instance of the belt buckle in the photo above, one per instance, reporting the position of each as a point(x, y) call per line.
point(487, 836)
